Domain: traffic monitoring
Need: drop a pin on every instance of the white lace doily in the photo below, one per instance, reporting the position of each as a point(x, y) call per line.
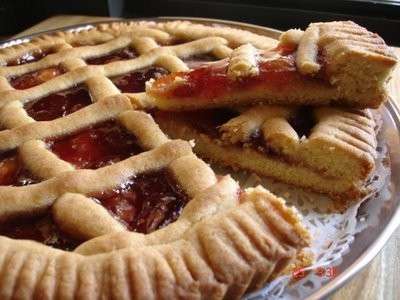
point(333, 233)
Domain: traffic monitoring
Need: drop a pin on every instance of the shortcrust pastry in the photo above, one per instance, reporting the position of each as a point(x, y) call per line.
point(97, 202)
point(325, 149)
point(329, 63)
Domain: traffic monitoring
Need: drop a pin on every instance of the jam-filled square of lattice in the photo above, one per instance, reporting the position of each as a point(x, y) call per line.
point(117, 55)
point(58, 104)
point(34, 78)
point(32, 56)
point(146, 202)
point(13, 172)
point(96, 146)
point(135, 82)
point(40, 228)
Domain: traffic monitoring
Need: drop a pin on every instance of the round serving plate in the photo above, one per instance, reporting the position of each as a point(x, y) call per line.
point(370, 241)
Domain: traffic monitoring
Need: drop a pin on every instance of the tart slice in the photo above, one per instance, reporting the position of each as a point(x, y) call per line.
point(334, 62)
point(327, 150)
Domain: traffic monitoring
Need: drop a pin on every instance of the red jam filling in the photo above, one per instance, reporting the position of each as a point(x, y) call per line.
point(286, 49)
point(146, 202)
point(30, 57)
point(303, 121)
point(209, 121)
point(257, 142)
point(121, 54)
point(12, 171)
point(205, 121)
point(35, 78)
point(96, 146)
point(210, 82)
point(58, 104)
point(135, 82)
point(41, 229)
point(197, 61)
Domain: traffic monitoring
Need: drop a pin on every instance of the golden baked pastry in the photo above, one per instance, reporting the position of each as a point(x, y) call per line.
point(328, 63)
point(97, 202)
point(325, 149)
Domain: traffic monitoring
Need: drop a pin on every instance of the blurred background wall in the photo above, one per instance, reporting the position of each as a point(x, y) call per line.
point(382, 16)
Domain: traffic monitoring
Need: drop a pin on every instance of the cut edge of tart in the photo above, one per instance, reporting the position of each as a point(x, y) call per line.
point(334, 154)
point(328, 63)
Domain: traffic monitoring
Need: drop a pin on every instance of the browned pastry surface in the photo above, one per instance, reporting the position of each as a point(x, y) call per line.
point(329, 63)
point(325, 149)
point(82, 170)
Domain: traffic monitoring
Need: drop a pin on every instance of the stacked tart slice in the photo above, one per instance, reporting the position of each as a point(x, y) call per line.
point(307, 140)
point(324, 149)
point(328, 63)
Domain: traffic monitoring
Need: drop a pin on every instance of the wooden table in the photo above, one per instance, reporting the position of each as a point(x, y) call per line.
point(381, 279)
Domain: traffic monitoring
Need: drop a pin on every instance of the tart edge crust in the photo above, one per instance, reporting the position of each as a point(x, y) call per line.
point(224, 255)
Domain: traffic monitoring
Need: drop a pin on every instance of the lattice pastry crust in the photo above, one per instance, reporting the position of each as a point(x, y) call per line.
point(243, 62)
point(335, 157)
point(333, 62)
point(225, 242)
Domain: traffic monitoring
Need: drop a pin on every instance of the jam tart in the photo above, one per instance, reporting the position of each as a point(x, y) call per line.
point(97, 202)
point(324, 149)
point(328, 63)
